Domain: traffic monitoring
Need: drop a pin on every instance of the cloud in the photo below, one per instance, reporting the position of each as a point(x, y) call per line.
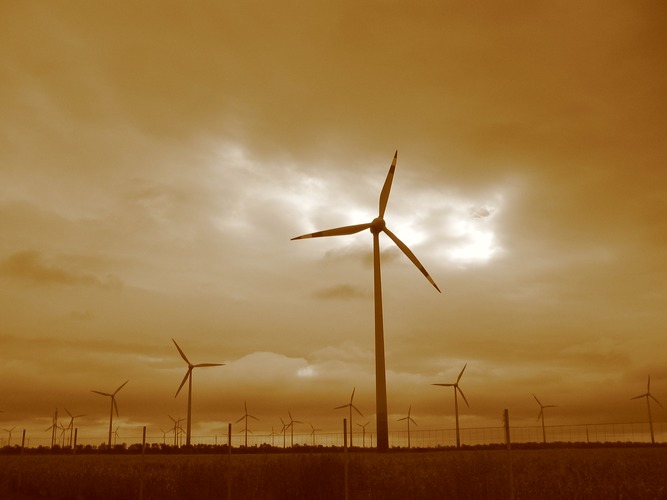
point(29, 265)
point(341, 292)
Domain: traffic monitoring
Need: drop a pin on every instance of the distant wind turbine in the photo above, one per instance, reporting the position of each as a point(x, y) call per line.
point(114, 406)
point(9, 431)
point(71, 426)
point(376, 227)
point(273, 435)
point(363, 434)
point(188, 377)
point(350, 405)
point(290, 425)
point(177, 428)
point(53, 427)
point(541, 416)
point(312, 433)
point(649, 396)
point(408, 419)
point(283, 431)
point(456, 387)
point(245, 417)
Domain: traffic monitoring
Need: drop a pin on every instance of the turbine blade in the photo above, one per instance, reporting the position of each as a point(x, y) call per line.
point(338, 231)
point(115, 406)
point(444, 385)
point(541, 415)
point(203, 365)
point(252, 416)
point(641, 396)
point(648, 385)
point(413, 420)
point(240, 419)
point(102, 393)
point(181, 352)
point(339, 407)
point(386, 188)
point(122, 385)
point(463, 395)
point(538, 401)
point(411, 256)
point(653, 398)
point(187, 374)
point(461, 374)
point(352, 397)
point(357, 410)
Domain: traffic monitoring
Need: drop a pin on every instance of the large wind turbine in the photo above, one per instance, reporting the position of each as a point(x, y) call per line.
point(648, 396)
point(456, 387)
point(376, 227)
point(113, 406)
point(350, 405)
point(188, 377)
point(245, 417)
point(541, 416)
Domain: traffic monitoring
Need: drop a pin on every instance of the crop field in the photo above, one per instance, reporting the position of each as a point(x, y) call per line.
point(465, 474)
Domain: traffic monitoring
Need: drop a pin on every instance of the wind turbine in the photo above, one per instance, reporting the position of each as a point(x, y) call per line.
point(363, 435)
point(245, 417)
point(290, 425)
point(350, 405)
point(283, 430)
point(9, 431)
point(273, 435)
point(188, 377)
point(541, 416)
point(312, 433)
point(177, 428)
point(71, 426)
point(409, 419)
point(648, 396)
point(456, 387)
point(54, 426)
point(376, 227)
point(113, 406)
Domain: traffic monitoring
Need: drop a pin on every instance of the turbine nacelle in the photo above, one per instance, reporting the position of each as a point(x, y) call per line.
point(378, 225)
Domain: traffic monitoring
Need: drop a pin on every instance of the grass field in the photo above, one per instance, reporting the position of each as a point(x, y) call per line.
point(467, 474)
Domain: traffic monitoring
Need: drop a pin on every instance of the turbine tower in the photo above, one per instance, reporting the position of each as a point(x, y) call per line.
point(350, 405)
point(649, 396)
point(541, 416)
point(456, 387)
point(188, 377)
point(376, 227)
point(114, 406)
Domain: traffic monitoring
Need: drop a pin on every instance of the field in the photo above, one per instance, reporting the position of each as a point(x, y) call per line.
point(467, 474)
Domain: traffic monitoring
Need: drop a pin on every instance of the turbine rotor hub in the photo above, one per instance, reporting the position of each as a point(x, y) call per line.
point(377, 225)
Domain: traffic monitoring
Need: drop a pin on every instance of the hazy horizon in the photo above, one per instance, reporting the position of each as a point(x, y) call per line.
point(156, 159)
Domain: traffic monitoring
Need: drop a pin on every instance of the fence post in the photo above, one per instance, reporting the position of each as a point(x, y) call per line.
point(345, 460)
point(229, 461)
point(141, 466)
point(506, 422)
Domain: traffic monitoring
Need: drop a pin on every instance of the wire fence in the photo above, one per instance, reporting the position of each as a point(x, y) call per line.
point(633, 432)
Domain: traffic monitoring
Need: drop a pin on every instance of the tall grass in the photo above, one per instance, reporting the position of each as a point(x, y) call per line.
point(468, 474)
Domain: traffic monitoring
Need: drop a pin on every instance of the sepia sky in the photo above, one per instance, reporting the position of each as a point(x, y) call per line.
point(157, 157)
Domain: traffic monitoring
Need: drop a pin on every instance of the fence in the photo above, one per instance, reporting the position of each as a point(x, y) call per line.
point(635, 432)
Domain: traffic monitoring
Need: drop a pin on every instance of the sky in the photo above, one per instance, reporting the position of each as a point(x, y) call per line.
point(157, 157)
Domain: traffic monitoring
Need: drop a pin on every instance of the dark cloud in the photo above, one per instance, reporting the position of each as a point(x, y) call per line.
point(341, 292)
